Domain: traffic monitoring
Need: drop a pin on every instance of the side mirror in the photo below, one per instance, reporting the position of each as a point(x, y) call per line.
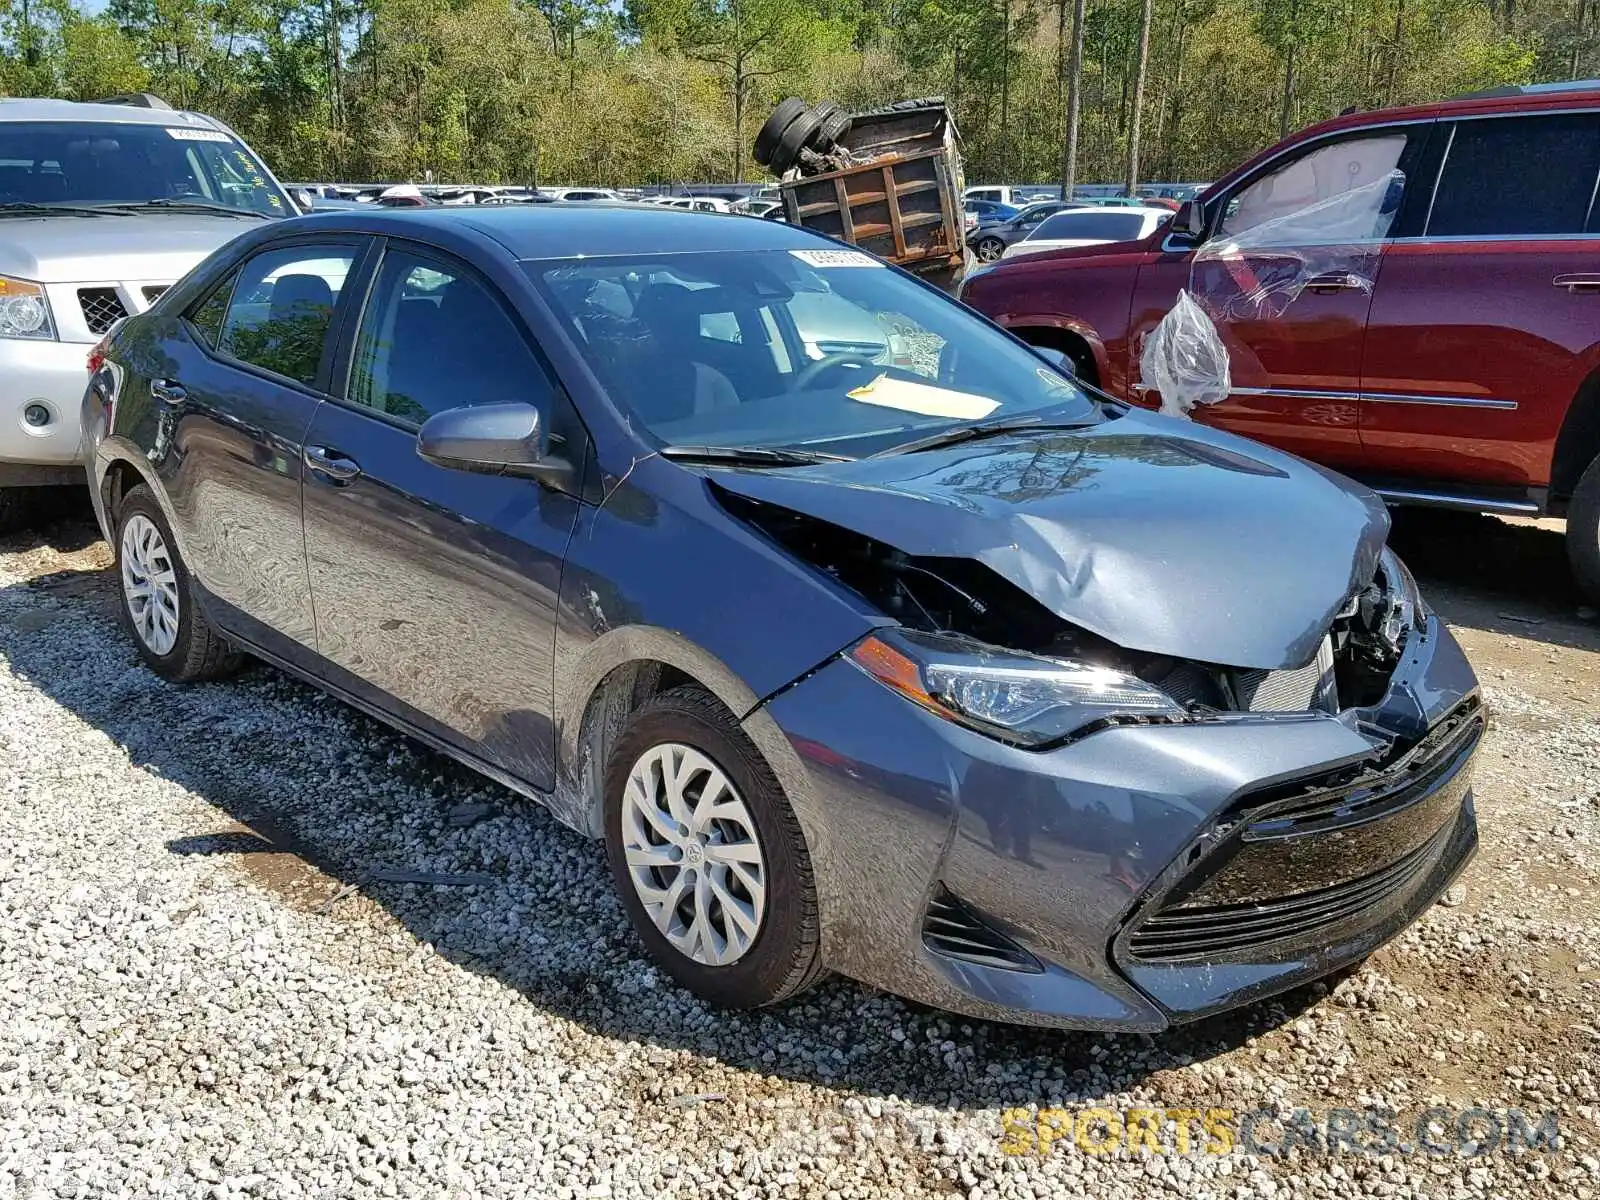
point(493, 439)
point(1187, 229)
point(1059, 359)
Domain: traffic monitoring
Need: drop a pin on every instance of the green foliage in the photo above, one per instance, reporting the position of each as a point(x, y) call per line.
point(658, 91)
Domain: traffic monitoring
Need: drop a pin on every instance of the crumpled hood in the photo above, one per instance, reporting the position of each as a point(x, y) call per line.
point(72, 249)
point(1156, 533)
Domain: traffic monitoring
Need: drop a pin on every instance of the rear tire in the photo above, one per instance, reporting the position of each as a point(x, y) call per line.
point(1583, 533)
point(700, 885)
point(782, 117)
point(159, 609)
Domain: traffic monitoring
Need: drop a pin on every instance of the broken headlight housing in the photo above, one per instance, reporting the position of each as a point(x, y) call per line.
point(1011, 696)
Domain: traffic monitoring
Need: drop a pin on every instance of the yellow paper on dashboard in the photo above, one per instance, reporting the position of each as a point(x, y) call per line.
point(924, 399)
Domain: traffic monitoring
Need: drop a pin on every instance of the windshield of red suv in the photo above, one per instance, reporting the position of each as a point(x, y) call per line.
point(823, 349)
point(108, 163)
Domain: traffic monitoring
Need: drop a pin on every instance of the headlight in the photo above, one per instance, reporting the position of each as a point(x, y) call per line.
point(1403, 604)
point(1015, 697)
point(25, 310)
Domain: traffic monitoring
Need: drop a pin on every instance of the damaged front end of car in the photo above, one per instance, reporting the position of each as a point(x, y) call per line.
point(1135, 836)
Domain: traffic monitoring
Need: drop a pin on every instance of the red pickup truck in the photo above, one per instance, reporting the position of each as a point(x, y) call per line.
point(1450, 357)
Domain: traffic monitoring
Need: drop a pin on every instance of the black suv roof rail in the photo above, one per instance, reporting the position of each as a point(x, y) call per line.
point(1533, 89)
point(135, 100)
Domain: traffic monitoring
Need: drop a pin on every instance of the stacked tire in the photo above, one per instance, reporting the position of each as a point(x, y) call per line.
point(795, 126)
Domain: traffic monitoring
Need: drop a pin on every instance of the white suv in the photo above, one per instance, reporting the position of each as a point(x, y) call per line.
point(102, 207)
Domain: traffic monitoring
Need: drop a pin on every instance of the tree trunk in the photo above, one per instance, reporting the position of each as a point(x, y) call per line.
point(1140, 67)
point(1286, 115)
point(1069, 163)
point(739, 83)
point(1577, 41)
point(1399, 43)
point(1173, 130)
point(1003, 158)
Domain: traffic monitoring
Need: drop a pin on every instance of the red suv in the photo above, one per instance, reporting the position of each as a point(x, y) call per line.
point(1454, 360)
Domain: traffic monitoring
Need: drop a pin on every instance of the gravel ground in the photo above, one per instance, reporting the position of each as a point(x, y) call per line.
point(207, 987)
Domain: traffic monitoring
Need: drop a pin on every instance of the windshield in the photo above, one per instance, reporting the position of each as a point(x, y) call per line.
point(824, 350)
point(95, 163)
point(1100, 226)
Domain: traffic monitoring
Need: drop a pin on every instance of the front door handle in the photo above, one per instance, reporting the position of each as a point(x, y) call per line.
point(1336, 282)
point(331, 463)
point(168, 392)
point(1578, 283)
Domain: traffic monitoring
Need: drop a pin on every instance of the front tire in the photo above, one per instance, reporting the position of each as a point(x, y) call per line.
point(989, 249)
point(707, 856)
point(159, 610)
point(1583, 533)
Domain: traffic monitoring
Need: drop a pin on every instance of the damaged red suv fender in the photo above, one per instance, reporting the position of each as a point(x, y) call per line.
point(1457, 362)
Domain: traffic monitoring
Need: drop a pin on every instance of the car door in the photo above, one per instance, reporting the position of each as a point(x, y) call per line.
point(233, 402)
point(436, 589)
point(1289, 297)
point(1482, 325)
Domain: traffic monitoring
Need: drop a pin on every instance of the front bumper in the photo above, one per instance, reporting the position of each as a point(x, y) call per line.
point(51, 374)
point(1045, 887)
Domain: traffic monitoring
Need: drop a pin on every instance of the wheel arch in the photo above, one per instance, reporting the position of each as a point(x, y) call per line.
point(1578, 443)
point(1068, 335)
point(118, 472)
point(617, 674)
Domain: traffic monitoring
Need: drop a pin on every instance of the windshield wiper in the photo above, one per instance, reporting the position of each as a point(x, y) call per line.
point(980, 429)
point(187, 206)
point(26, 208)
point(758, 456)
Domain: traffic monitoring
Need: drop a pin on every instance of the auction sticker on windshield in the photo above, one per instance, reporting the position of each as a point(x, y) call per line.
point(198, 135)
point(923, 399)
point(836, 258)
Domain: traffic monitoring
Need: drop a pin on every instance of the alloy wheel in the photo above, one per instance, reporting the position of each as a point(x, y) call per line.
point(693, 854)
point(990, 249)
point(150, 584)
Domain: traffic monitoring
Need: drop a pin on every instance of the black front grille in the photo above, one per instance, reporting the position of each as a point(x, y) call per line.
point(102, 308)
point(153, 292)
point(1202, 931)
point(955, 931)
point(1295, 859)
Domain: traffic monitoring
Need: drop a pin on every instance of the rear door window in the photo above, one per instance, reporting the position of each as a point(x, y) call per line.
point(281, 308)
point(1518, 176)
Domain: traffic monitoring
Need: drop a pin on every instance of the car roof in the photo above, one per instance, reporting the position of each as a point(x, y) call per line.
point(1134, 210)
point(1582, 94)
point(119, 114)
point(561, 230)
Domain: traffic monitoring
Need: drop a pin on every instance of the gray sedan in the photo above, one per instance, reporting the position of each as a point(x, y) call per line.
point(990, 241)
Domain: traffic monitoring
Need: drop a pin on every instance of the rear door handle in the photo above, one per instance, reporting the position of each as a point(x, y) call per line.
point(1336, 282)
point(331, 463)
point(1578, 283)
point(168, 391)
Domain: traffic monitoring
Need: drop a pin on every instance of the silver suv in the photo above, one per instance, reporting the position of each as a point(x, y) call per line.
point(102, 207)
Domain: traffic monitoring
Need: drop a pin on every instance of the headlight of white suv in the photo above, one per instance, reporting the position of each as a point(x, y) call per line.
point(1011, 696)
point(25, 310)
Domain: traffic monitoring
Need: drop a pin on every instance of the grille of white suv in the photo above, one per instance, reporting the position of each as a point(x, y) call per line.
point(102, 308)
